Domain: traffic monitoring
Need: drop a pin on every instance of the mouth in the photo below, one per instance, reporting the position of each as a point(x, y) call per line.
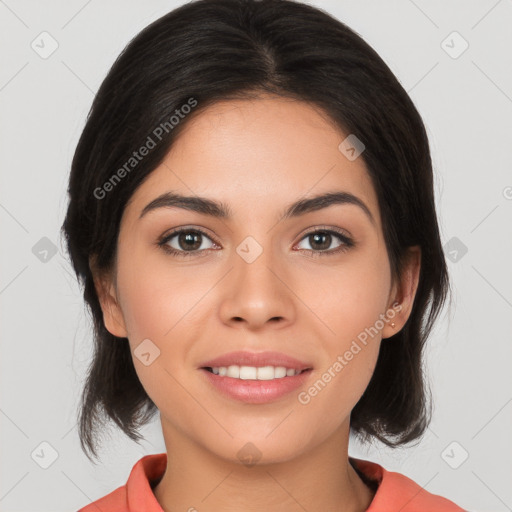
point(256, 377)
point(255, 385)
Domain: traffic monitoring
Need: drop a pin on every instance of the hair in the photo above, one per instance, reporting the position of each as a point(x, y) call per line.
point(214, 50)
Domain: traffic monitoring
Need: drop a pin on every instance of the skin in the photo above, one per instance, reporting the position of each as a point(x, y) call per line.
point(257, 156)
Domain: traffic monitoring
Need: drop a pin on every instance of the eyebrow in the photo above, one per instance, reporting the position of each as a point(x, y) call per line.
point(223, 211)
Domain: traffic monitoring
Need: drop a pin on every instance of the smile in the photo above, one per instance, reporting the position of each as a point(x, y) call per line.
point(254, 372)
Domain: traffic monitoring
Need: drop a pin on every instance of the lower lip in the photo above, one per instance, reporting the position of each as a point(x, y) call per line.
point(256, 391)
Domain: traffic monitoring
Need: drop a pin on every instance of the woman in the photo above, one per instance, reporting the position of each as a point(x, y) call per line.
point(252, 217)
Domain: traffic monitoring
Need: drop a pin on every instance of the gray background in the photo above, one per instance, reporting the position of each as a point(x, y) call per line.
point(466, 103)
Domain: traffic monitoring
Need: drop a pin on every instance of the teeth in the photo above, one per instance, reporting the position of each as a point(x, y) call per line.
point(255, 373)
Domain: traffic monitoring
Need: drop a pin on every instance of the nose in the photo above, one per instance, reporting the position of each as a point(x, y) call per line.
point(256, 294)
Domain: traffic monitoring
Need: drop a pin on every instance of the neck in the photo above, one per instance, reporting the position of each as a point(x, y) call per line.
point(321, 480)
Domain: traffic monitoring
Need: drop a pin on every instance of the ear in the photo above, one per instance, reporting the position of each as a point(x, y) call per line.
point(108, 298)
point(403, 293)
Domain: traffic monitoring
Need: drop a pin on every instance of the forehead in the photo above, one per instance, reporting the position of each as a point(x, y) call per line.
point(257, 155)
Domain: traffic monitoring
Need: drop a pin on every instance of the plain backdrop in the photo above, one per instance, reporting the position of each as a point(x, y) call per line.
point(454, 60)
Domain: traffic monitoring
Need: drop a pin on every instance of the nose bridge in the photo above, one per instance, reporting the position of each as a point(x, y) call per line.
point(257, 292)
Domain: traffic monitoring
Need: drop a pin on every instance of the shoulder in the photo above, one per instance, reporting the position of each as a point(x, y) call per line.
point(395, 491)
point(137, 493)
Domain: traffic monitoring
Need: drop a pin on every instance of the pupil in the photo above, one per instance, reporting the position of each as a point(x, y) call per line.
point(189, 241)
point(318, 236)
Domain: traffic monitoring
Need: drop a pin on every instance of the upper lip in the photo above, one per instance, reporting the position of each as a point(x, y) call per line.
point(267, 358)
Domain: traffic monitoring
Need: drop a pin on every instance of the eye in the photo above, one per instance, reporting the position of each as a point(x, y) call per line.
point(321, 239)
point(184, 242)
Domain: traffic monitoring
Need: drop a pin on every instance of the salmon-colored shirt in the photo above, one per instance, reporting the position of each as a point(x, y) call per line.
point(395, 492)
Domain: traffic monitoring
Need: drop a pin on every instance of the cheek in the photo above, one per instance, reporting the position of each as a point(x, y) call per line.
point(353, 304)
point(155, 295)
point(157, 304)
point(353, 295)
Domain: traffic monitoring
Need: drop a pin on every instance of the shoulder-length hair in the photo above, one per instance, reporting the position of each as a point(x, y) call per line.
point(211, 50)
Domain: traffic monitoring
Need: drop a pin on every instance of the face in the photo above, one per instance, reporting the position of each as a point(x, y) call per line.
point(309, 285)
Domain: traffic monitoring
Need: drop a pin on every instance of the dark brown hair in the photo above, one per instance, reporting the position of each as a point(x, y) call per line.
point(212, 50)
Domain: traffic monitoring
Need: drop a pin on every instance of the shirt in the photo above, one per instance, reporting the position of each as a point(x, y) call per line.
point(394, 491)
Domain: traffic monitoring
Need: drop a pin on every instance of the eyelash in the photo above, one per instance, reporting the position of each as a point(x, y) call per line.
point(345, 246)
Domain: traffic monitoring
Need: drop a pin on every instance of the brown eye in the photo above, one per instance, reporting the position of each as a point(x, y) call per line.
point(320, 242)
point(189, 241)
point(185, 242)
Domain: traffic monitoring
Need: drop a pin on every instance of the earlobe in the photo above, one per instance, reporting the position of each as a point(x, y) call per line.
point(107, 296)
